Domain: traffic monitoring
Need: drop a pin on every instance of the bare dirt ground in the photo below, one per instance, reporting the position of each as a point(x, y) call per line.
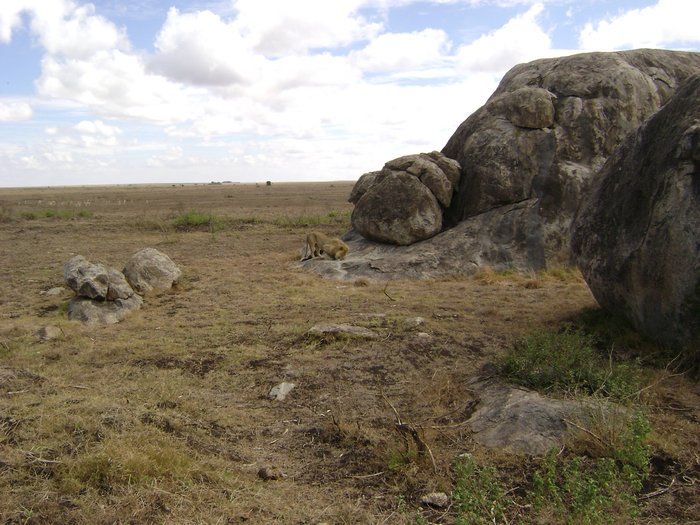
point(165, 417)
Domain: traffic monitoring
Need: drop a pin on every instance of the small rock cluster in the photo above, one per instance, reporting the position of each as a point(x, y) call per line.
point(405, 201)
point(105, 295)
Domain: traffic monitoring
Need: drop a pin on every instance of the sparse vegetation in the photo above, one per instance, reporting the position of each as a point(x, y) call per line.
point(574, 488)
point(479, 494)
point(196, 220)
point(165, 417)
point(56, 214)
point(568, 362)
point(332, 218)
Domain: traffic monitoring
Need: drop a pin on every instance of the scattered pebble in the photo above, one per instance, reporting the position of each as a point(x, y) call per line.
point(438, 500)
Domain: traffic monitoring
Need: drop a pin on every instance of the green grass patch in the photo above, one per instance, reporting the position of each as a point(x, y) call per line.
point(196, 220)
point(564, 489)
point(479, 495)
point(399, 460)
point(580, 489)
point(141, 460)
point(569, 363)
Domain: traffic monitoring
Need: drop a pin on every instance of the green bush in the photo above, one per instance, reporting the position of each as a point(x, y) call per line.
point(568, 362)
point(478, 495)
point(595, 490)
point(565, 488)
point(195, 220)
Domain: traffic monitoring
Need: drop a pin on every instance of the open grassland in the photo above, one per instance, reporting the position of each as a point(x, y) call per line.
point(165, 417)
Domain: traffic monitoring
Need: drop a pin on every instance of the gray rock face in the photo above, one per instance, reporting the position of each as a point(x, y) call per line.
point(637, 234)
point(550, 125)
point(405, 201)
point(503, 238)
point(118, 287)
point(398, 210)
point(517, 420)
point(526, 107)
point(95, 281)
point(102, 294)
point(102, 312)
point(527, 159)
point(86, 279)
point(150, 269)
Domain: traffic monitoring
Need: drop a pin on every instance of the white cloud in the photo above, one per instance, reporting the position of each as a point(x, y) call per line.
point(75, 31)
point(521, 39)
point(97, 133)
point(116, 84)
point(10, 19)
point(62, 26)
point(201, 48)
point(171, 157)
point(280, 86)
point(392, 52)
point(281, 28)
point(666, 22)
point(15, 111)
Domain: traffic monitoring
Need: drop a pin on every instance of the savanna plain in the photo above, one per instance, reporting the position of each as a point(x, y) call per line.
point(166, 416)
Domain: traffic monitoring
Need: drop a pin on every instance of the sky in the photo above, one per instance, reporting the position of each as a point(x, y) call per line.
point(175, 91)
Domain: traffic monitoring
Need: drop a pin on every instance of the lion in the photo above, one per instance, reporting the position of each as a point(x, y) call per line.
point(319, 244)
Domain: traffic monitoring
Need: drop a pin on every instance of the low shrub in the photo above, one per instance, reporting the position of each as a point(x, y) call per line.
point(196, 220)
point(568, 362)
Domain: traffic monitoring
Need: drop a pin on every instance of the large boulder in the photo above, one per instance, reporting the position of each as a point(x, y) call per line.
point(527, 158)
point(636, 236)
point(149, 269)
point(398, 210)
point(102, 293)
point(90, 311)
point(95, 281)
point(549, 127)
point(503, 238)
point(85, 278)
point(404, 202)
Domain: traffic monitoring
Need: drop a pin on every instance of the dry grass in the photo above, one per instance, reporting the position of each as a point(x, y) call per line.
point(165, 417)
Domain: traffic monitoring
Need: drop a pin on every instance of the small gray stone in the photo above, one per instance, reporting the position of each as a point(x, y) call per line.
point(53, 292)
point(279, 392)
point(413, 322)
point(47, 333)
